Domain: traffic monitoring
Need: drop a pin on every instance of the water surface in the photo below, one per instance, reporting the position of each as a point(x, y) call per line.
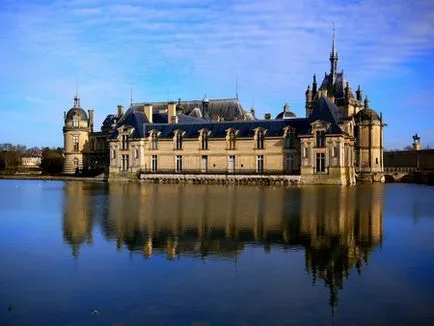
point(74, 253)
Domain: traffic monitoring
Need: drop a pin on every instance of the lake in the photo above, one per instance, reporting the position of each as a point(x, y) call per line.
point(75, 253)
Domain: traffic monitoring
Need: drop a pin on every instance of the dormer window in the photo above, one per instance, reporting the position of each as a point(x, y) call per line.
point(153, 140)
point(231, 138)
point(320, 138)
point(75, 121)
point(204, 139)
point(289, 138)
point(260, 137)
point(124, 143)
point(178, 140)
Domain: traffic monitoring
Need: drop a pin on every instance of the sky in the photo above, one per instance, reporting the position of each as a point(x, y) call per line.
point(170, 49)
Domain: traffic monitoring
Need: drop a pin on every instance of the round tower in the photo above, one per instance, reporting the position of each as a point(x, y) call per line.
point(76, 131)
point(369, 144)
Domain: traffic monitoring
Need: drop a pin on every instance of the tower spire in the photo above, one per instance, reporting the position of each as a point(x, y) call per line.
point(236, 87)
point(76, 98)
point(334, 57)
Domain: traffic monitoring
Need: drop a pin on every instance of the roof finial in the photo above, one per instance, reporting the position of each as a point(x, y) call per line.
point(131, 94)
point(236, 88)
point(334, 57)
point(76, 98)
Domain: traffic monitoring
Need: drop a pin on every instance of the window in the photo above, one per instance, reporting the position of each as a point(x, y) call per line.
point(335, 151)
point(76, 162)
point(154, 163)
point(75, 121)
point(75, 142)
point(231, 163)
point(289, 140)
point(376, 160)
point(260, 164)
point(305, 152)
point(124, 145)
point(204, 140)
point(178, 164)
point(320, 138)
point(289, 163)
point(154, 143)
point(260, 139)
point(231, 139)
point(125, 162)
point(204, 165)
point(113, 154)
point(320, 162)
point(178, 140)
point(136, 153)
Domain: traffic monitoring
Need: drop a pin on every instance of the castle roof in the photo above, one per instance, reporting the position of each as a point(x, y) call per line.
point(227, 109)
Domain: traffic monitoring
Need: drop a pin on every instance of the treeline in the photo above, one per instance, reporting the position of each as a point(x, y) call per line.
point(11, 158)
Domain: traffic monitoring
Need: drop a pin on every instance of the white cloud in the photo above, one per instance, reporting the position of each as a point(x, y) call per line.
point(196, 47)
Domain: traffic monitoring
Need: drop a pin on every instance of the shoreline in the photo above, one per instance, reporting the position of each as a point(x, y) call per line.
point(49, 178)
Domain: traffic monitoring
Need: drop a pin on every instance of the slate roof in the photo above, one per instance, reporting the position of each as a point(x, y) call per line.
point(324, 110)
point(228, 109)
point(76, 111)
point(218, 129)
point(338, 88)
point(367, 115)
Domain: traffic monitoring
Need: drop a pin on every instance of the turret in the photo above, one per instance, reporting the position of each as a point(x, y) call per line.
point(359, 94)
point(314, 87)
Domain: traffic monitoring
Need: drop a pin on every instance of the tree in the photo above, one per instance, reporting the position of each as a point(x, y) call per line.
point(52, 161)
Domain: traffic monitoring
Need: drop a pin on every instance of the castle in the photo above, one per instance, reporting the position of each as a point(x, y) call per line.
point(338, 142)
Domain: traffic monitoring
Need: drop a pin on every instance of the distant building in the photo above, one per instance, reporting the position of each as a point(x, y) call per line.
point(339, 140)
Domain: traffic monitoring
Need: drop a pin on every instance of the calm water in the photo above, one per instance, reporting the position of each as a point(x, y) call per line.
point(215, 255)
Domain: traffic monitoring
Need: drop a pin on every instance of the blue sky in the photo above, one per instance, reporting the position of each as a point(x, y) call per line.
point(188, 48)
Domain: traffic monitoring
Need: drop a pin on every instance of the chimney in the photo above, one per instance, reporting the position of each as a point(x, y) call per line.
point(267, 116)
point(148, 112)
point(120, 111)
point(171, 112)
point(90, 119)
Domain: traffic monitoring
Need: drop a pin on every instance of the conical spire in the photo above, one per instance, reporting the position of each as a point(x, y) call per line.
point(334, 57)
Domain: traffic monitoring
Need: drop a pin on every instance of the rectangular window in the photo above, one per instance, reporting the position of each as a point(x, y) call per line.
point(260, 164)
point(113, 154)
point(289, 163)
point(320, 138)
point(334, 151)
point(178, 141)
point(204, 165)
point(75, 121)
point(305, 152)
point(320, 162)
point(260, 139)
point(231, 164)
point(124, 142)
point(154, 163)
point(75, 141)
point(178, 164)
point(136, 153)
point(125, 162)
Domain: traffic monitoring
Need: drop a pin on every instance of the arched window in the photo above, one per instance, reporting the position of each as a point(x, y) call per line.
point(260, 136)
point(76, 162)
point(231, 138)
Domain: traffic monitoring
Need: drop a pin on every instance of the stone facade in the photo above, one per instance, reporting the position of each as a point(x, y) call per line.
point(340, 139)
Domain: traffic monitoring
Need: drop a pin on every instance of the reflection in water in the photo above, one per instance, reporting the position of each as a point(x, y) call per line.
point(337, 227)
